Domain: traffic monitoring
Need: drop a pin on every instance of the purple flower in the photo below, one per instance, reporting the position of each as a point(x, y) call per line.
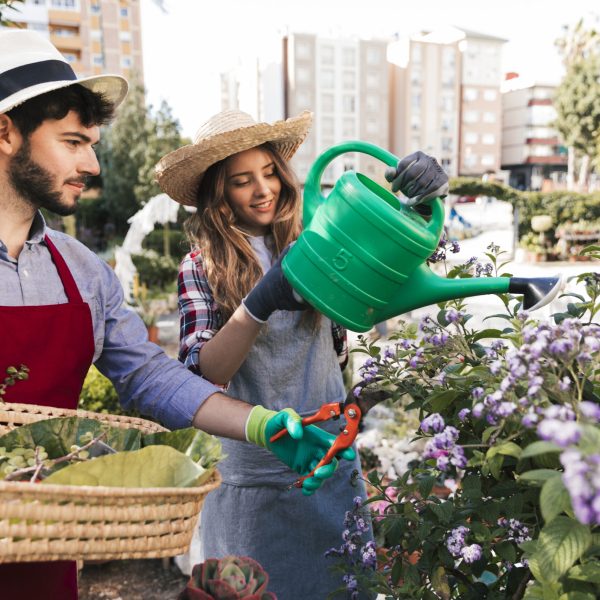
point(564, 384)
point(369, 555)
point(433, 422)
point(453, 315)
point(471, 553)
point(582, 479)
point(590, 410)
point(463, 414)
point(477, 393)
point(456, 540)
point(562, 433)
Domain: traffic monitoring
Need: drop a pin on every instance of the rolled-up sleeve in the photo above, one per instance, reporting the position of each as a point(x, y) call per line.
point(200, 317)
point(143, 375)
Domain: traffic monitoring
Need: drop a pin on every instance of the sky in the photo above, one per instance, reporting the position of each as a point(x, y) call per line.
point(187, 45)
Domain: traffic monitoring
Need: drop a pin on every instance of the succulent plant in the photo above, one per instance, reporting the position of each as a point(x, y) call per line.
point(228, 578)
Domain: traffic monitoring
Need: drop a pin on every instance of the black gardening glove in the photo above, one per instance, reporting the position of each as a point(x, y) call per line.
point(273, 292)
point(419, 177)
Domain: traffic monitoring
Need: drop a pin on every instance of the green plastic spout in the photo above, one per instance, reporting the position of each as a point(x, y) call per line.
point(424, 287)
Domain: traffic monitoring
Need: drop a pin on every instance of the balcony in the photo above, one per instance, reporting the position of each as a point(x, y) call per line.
point(64, 17)
point(66, 43)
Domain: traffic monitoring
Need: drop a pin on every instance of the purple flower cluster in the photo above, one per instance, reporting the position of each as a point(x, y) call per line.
point(456, 544)
point(440, 252)
point(515, 530)
point(483, 269)
point(442, 446)
point(582, 479)
point(558, 425)
point(354, 550)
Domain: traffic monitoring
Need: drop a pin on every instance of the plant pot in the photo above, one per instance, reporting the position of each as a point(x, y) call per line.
point(152, 333)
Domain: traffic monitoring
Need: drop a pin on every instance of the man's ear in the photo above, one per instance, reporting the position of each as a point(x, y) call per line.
point(10, 138)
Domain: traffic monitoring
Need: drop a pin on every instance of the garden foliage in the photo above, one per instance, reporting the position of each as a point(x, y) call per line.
point(511, 421)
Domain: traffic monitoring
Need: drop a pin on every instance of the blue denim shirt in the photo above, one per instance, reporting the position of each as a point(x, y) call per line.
point(144, 376)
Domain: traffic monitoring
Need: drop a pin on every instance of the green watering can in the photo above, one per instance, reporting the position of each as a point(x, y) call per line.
point(361, 257)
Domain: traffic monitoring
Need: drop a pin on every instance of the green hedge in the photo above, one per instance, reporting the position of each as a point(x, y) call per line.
point(562, 206)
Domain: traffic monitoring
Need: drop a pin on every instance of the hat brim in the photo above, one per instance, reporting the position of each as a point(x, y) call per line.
point(112, 87)
point(180, 172)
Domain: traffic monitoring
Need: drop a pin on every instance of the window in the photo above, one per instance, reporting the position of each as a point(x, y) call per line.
point(124, 12)
point(98, 60)
point(95, 8)
point(327, 102)
point(447, 144)
point(471, 116)
point(447, 123)
point(38, 2)
point(471, 137)
point(304, 100)
point(125, 36)
point(348, 128)
point(471, 160)
point(64, 4)
point(489, 117)
point(488, 160)
point(64, 32)
point(415, 75)
point(416, 100)
point(303, 50)
point(348, 57)
point(348, 103)
point(448, 102)
point(372, 125)
point(327, 54)
point(373, 79)
point(327, 126)
point(327, 78)
point(70, 57)
point(415, 122)
point(372, 103)
point(126, 62)
point(303, 74)
point(95, 34)
point(448, 57)
point(373, 56)
point(488, 139)
point(348, 80)
point(416, 53)
point(490, 95)
point(471, 94)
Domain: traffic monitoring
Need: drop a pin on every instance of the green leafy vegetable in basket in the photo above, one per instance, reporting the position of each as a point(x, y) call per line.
point(71, 450)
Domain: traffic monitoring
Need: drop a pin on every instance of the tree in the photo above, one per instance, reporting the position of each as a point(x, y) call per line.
point(129, 149)
point(578, 113)
point(8, 10)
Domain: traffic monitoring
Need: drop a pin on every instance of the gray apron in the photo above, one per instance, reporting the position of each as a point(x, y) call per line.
point(253, 513)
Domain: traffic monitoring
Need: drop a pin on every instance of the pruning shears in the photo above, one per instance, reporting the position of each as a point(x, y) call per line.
point(345, 439)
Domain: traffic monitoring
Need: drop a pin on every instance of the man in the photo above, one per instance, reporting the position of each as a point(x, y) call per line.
point(61, 307)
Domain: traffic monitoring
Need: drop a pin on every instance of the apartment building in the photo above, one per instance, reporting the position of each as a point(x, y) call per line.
point(531, 148)
point(445, 98)
point(346, 83)
point(95, 36)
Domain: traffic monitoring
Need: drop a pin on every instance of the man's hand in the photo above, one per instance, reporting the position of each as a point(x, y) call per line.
point(301, 450)
point(419, 177)
point(273, 292)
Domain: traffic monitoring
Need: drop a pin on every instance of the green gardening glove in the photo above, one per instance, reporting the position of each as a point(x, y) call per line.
point(301, 450)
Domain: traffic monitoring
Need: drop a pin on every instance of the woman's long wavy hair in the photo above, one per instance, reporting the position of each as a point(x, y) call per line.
point(231, 266)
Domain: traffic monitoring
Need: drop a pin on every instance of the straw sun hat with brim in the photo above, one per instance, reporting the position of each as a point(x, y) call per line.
point(179, 173)
point(31, 66)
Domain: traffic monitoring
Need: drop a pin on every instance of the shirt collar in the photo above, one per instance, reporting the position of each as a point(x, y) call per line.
point(38, 229)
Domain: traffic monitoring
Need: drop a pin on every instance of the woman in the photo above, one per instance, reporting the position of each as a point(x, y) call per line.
point(248, 212)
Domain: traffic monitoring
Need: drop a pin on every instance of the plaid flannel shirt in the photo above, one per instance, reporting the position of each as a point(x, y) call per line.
point(200, 317)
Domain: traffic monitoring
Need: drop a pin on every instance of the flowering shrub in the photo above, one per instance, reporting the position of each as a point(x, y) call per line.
point(511, 423)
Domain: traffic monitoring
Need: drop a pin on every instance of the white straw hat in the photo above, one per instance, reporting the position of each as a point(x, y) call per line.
point(179, 173)
point(30, 66)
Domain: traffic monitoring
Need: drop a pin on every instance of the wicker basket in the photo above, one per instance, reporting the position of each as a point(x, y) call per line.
point(61, 522)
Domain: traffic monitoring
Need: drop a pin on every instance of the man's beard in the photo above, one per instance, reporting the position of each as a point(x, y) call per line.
point(35, 184)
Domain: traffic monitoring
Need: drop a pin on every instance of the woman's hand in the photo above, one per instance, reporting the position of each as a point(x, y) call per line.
point(273, 292)
point(419, 177)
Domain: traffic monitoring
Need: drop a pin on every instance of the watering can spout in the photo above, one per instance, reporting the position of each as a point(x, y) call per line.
point(424, 287)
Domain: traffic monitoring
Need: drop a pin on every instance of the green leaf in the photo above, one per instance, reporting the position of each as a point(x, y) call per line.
point(498, 316)
point(59, 434)
point(487, 333)
point(561, 542)
point(438, 401)
point(538, 475)
point(506, 551)
point(540, 447)
point(505, 448)
point(154, 466)
point(471, 487)
point(426, 485)
point(442, 511)
point(589, 441)
point(588, 572)
point(439, 582)
point(554, 498)
point(495, 465)
point(198, 445)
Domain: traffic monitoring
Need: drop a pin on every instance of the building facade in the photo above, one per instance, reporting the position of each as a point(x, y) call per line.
point(95, 36)
point(531, 148)
point(345, 82)
point(445, 98)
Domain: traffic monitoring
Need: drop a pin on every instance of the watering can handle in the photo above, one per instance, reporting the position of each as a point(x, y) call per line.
point(312, 188)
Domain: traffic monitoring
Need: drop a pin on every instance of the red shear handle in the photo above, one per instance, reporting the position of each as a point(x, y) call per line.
point(327, 411)
point(353, 414)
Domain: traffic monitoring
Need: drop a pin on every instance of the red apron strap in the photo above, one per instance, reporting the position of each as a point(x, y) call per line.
point(64, 273)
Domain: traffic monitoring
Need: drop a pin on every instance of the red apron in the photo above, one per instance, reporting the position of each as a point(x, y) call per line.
point(56, 342)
